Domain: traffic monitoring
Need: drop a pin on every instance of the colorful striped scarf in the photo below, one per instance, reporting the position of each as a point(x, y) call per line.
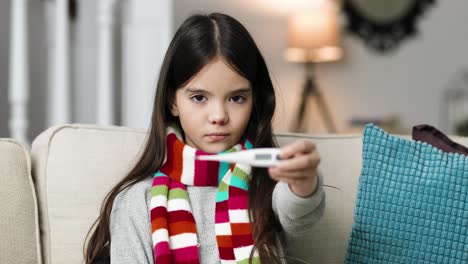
point(174, 231)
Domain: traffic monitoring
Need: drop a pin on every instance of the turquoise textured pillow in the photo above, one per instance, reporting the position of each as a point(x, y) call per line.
point(412, 203)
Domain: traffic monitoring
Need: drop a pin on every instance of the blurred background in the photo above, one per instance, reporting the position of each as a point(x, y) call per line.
point(335, 65)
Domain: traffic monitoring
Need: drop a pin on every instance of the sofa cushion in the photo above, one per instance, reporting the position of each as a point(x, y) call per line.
point(412, 203)
point(19, 225)
point(76, 165)
point(340, 165)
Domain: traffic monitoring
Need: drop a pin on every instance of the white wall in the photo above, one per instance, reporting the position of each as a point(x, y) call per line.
point(4, 48)
point(38, 68)
point(407, 82)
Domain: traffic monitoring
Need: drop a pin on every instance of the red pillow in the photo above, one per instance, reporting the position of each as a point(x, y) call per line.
point(436, 138)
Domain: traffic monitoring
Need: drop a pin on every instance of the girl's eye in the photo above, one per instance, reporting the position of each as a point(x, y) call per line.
point(238, 99)
point(198, 98)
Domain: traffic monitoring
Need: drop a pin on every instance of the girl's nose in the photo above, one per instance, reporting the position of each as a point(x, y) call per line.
point(218, 116)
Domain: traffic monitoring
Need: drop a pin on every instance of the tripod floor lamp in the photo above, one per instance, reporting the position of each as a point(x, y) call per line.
point(313, 37)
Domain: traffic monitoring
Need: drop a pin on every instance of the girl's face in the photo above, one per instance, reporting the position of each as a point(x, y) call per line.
point(214, 107)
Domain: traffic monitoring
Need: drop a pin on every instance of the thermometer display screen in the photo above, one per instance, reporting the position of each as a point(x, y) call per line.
point(263, 156)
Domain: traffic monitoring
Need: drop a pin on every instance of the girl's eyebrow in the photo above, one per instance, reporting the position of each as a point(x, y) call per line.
point(243, 90)
point(198, 90)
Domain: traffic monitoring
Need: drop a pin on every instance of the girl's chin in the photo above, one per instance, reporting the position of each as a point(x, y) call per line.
point(214, 147)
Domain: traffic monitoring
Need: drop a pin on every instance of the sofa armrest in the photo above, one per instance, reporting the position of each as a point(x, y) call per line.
point(19, 224)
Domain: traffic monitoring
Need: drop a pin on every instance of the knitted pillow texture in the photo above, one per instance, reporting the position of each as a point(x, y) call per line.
point(412, 203)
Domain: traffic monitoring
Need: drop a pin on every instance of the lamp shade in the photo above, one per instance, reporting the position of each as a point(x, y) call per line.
point(313, 35)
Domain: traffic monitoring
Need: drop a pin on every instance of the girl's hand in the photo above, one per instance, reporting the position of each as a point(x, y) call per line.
point(299, 169)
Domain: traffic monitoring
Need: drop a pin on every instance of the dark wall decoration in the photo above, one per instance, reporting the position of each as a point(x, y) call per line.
point(384, 24)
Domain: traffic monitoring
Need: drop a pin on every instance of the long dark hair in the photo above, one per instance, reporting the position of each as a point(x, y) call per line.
point(199, 40)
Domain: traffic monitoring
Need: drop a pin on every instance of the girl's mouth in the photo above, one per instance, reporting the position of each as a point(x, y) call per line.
point(219, 137)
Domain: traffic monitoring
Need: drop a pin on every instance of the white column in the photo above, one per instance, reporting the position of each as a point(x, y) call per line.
point(18, 93)
point(105, 83)
point(147, 30)
point(59, 105)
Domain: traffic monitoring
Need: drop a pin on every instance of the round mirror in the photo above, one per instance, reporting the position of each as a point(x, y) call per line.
point(383, 24)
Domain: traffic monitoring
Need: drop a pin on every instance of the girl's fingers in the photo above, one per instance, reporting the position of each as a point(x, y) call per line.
point(290, 180)
point(300, 146)
point(300, 162)
point(281, 175)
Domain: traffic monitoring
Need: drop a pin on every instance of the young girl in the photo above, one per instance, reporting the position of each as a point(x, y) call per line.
point(214, 95)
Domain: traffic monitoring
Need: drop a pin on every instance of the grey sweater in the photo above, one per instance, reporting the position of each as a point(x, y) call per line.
point(130, 226)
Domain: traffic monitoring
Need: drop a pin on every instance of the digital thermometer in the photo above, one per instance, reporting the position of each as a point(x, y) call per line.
point(258, 157)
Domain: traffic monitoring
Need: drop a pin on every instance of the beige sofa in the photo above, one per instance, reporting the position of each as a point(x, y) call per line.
point(18, 206)
point(74, 166)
